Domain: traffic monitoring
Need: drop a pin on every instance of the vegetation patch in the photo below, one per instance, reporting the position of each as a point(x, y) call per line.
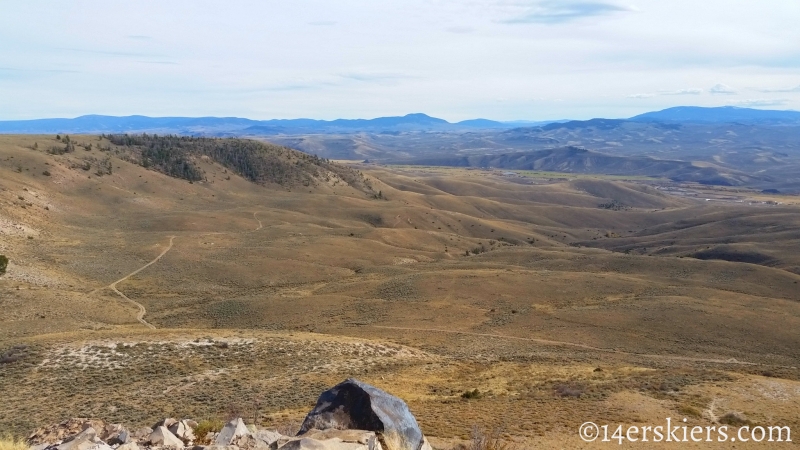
point(255, 161)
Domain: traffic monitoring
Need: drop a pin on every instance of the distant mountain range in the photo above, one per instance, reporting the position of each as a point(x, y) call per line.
point(221, 126)
point(235, 126)
point(721, 114)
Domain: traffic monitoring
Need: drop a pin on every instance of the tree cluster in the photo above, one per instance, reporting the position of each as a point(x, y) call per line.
point(258, 162)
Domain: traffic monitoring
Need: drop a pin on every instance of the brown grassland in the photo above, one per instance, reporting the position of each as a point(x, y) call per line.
point(522, 307)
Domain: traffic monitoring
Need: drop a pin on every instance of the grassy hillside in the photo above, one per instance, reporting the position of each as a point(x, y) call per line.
point(452, 280)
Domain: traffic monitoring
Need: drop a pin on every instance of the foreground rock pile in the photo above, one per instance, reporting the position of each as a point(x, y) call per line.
point(350, 416)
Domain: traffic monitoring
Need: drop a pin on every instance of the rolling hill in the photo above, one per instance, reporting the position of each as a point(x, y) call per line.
point(580, 160)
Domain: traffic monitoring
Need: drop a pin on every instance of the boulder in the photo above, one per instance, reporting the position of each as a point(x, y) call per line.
point(354, 405)
point(84, 440)
point(116, 434)
point(166, 423)
point(266, 436)
point(250, 442)
point(183, 431)
point(231, 431)
point(161, 436)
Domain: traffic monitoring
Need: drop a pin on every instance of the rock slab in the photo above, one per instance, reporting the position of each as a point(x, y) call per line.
point(161, 436)
point(231, 431)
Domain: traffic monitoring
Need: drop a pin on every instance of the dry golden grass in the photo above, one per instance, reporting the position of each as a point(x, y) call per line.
point(11, 443)
point(563, 288)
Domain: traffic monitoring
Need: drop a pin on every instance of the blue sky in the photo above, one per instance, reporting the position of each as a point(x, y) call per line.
point(499, 59)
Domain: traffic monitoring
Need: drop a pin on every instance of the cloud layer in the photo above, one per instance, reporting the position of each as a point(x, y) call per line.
point(545, 59)
point(553, 11)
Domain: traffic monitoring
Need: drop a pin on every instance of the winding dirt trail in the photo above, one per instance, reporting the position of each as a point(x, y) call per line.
point(113, 286)
point(260, 225)
point(575, 345)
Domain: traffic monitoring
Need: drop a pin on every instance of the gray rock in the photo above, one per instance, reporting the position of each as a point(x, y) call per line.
point(250, 442)
point(359, 406)
point(142, 433)
point(183, 431)
point(348, 436)
point(266, 436)
point(163, 437)
point(166, 423)
point(330, 444)
point(84, 440)
point(231, 431)
point(100, 446)
point(116, 434)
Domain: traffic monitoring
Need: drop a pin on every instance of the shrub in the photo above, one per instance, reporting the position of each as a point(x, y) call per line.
point(690, 411)
point(473, 394)
point(14, 354)
point(567, 390)
point(289, 427)
point(3, 264)
point(734, 419)
point(480, 440)
point(205, 427)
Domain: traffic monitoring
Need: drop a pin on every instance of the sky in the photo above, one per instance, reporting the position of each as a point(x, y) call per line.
point(327, 59)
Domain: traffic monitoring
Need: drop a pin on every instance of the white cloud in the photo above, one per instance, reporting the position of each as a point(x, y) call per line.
point(665, 92)
point(790, 89)
point(559, 11)
point(682, 92)
point(760, 102)
point(460, 30)
point(721, 89)
point(361, 58)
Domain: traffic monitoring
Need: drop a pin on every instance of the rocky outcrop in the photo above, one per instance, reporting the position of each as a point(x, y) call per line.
point(353, 404)
point(350, 416)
